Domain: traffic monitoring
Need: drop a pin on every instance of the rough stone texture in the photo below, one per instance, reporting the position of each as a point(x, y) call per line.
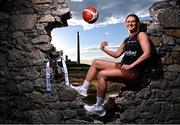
point(25, 28)
point(22, 22)
point(173, 32)
point(155, 40)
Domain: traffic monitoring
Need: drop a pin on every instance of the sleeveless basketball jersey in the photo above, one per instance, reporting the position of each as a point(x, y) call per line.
point(132, 49)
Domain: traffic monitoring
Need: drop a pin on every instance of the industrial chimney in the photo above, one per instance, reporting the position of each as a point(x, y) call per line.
point(78, 49)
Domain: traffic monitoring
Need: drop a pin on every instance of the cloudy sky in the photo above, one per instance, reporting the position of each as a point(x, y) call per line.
point(109, 27)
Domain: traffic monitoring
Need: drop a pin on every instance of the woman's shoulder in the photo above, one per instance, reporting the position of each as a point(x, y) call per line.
point(142, 34)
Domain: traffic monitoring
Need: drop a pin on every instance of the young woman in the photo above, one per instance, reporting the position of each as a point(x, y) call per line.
point(136, 49)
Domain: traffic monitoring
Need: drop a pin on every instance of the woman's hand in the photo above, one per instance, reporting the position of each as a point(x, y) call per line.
point(126, 67)
point(103, 44)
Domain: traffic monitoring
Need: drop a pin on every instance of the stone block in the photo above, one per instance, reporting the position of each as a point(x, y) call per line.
point(41, 39)
point(46, 18)
point(81, 111)
point(58, 19)
point(52, 116)
point(164, 49)
point(58, 105)
point(129, 95)
point(155, 29)
point(39, 26)
point(30, 72)
point(51, 97)
point(39, 85)
point(60, 11)
point(46, 47)
point(173, 32)
point(64, 5)
point(37, 98)
point(147, 115)
point(176, 48)
point(175, 54)
point(18, 34)
point(61, 1)
point(69, 114)
point(167, 60)
point(41, 1)
point(76, 104)
point(175, 82)
point(35, 117)
point(157, 6)
point(174, 68)
point(155, 84)
point(169, 18)
point(168, 40)
point(145, 121)
point(25, 86)
point(37, 55)
point(158, 94)
point(130, 115)
point(68, 95)
point(155, 40)
point(22, 22)
point(143, 94)
point(170, 75)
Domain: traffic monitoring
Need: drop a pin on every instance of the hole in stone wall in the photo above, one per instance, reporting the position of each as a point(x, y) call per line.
point(66, 39)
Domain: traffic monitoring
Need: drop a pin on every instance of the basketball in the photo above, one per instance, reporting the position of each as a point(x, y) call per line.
point(90, 14)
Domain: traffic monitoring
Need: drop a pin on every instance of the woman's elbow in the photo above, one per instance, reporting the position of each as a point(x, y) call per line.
point(148, 55)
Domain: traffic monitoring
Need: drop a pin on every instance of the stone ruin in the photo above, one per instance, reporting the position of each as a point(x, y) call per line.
point(25, 28)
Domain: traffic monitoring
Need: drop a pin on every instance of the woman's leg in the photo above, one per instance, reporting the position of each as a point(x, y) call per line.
point(115, 73)
point(103, 76)
point(97, 66)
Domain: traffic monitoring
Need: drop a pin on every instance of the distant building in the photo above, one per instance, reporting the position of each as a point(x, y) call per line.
point(68, 61)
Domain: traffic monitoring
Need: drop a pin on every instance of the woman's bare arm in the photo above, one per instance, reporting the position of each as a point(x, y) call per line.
point(116, 54)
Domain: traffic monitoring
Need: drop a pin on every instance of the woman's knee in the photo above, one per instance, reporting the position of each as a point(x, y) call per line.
point(101, 75)
point(96, 62)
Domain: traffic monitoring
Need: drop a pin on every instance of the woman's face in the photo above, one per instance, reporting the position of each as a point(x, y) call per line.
point(131, 23)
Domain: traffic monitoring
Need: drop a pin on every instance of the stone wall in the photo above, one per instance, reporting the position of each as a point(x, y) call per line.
point(159, 102)
point(25, 28)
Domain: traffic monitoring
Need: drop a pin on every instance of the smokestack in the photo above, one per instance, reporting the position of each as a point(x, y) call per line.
point(78, 49)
